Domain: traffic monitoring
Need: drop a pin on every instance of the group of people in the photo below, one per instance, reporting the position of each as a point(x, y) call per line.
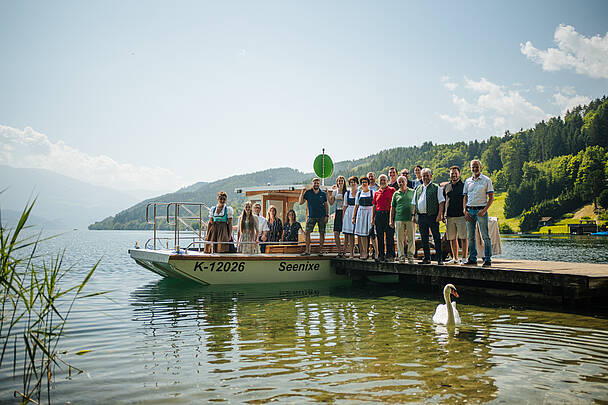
point(254, 230)
point(376, 212)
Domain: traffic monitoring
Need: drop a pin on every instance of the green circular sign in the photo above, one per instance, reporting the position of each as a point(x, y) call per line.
point(323, 166)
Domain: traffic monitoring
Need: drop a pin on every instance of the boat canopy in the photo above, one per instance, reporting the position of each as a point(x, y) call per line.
point(282, 197)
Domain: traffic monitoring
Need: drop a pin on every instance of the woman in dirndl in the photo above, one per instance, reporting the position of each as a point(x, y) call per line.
point(248, 231)
point(219, 227)
point(362, 217)
point(337, 197)
point(348, 227)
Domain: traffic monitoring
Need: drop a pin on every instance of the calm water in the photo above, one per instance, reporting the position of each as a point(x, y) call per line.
point(154, 340)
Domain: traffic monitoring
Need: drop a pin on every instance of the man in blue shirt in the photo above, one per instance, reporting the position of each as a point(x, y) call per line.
point(318, 212)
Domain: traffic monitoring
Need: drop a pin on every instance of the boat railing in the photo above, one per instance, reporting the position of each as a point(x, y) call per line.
point(202, 243)
point(153, 242)
point(187, 223)
point(182, 217)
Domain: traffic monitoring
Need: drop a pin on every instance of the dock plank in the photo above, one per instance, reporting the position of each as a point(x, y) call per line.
point(550, 278)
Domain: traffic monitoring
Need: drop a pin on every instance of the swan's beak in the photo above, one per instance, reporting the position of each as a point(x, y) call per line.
point(455, 293)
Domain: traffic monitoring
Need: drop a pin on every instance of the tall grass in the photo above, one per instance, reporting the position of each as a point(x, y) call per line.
point(35, 307)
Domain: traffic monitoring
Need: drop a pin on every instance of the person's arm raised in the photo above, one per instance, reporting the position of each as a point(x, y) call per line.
point(330, 196)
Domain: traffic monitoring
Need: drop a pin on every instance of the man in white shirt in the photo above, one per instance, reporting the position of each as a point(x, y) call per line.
point(478, 196)
point(371, 176)
point(262, 225)
point(428, 204)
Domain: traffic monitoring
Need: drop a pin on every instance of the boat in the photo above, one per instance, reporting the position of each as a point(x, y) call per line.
point(181, 255)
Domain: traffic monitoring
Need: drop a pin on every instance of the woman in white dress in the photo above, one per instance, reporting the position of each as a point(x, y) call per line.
point(362, 217)
point(348, 227)
point(248, 231)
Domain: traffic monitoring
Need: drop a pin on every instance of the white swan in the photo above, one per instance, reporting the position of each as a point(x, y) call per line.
point(447, 314)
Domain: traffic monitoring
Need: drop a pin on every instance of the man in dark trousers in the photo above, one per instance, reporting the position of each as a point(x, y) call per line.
point(455, 224)
point(428, 205)
point(381, 219)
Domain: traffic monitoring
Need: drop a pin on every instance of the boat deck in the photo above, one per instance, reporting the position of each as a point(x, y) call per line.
point(540, 280)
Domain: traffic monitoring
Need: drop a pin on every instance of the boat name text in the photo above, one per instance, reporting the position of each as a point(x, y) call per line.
point(284, 266)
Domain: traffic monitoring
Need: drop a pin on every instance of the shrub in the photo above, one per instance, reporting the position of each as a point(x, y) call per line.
point(569, 215)
point(505, 229)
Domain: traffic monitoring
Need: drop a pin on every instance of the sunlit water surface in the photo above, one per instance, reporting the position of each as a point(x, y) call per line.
point(154, 340)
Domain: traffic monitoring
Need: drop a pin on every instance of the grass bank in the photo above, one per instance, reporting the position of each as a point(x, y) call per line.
point(497, 209)
point(561, 226)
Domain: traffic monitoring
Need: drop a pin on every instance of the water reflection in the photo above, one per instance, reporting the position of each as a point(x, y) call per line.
point(181, 343)
point(347, 344)
point(311, 343)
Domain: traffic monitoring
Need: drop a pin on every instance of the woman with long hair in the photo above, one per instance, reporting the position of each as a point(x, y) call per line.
point(292, 228)
point(337, 197)
point(219, 227)
point(362, 217)
point(248, 231)
point(348, 208)
point(275, 225)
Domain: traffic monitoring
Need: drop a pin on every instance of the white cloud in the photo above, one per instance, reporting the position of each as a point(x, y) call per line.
point(566, 101)
point(448, 84)
point(540, 88)
point(242, 52)
point(495, 109)
point(567, 90)
point(587, 56)
point(31, 149)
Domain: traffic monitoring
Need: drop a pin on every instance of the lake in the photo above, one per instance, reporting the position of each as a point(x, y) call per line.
point(154, 340)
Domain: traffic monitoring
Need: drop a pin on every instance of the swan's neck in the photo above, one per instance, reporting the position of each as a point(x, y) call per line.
point(448, 303)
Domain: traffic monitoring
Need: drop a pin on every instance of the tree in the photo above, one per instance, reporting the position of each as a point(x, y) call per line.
point(491, 156)
point(513, 154)
point(595, 129)
point(603, 199)
point(592, 173)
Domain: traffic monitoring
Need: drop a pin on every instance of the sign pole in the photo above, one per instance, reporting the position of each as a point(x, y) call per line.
point(323, 179)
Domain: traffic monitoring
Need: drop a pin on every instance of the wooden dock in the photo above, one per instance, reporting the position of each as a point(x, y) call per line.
point(570, 283)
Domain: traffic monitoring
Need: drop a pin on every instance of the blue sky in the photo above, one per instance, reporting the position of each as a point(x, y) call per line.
point(157, 95)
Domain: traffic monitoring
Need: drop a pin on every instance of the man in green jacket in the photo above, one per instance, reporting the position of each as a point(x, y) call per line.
point(428, 205)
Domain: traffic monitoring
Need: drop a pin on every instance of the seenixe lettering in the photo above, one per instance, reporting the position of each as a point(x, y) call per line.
point(284, 266)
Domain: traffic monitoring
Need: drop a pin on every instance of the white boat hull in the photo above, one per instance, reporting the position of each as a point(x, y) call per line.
point(236, 268)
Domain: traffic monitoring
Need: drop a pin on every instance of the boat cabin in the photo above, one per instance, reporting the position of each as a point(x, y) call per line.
point(283, 197)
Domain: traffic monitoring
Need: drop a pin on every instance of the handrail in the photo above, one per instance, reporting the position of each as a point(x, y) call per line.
point(193, 213)
point(172, 217)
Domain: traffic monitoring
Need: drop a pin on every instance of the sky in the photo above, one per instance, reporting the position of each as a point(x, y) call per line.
point(157, 95)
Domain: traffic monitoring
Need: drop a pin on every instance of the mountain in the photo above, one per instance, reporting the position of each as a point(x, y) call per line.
point(61, 202)
point(134, 217)
point(513, 161)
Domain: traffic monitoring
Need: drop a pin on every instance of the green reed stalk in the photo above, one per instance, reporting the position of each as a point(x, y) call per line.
point(35, 308)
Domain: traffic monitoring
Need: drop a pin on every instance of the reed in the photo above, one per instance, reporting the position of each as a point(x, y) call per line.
point(35, 304)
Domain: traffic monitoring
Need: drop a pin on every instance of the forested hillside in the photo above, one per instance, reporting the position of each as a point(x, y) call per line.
point(547, 170)
point(134, 217)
